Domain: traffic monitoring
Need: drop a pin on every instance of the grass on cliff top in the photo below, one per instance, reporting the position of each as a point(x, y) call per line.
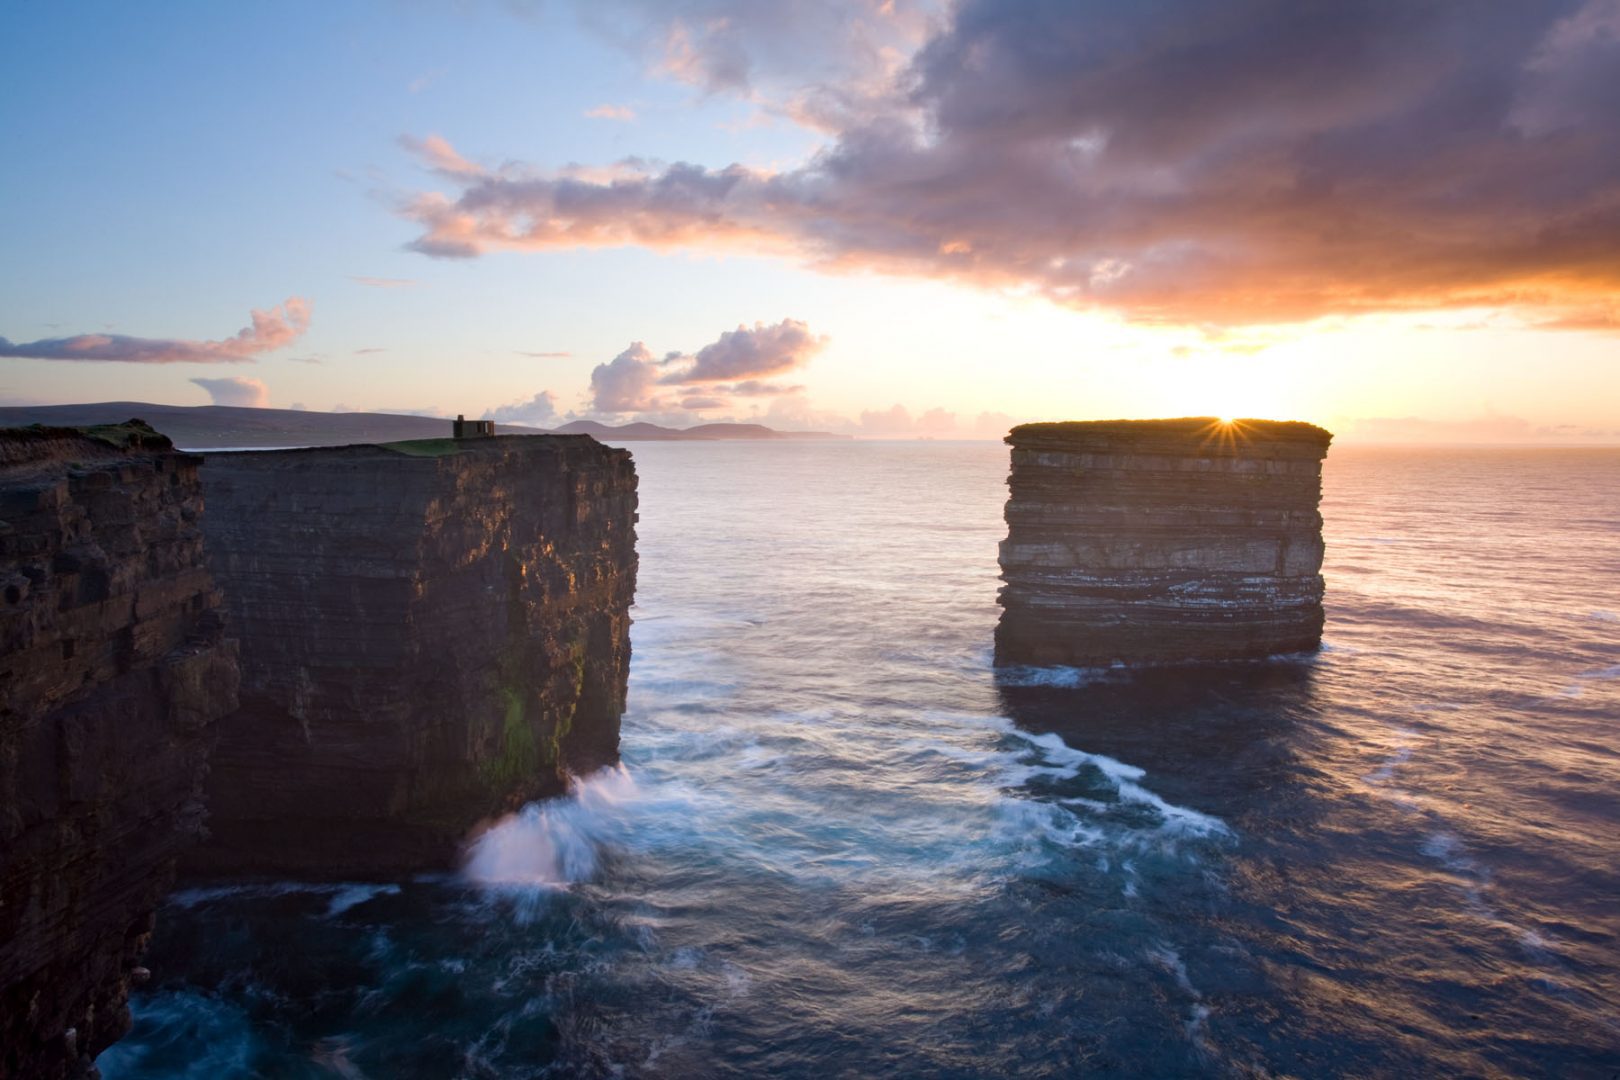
point(130, 435)
point(425, 447)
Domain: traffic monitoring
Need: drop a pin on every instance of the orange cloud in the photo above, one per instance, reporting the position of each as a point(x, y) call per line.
point(273, 329)
point(678, 208)
point(1300, 162)
point(440, 156)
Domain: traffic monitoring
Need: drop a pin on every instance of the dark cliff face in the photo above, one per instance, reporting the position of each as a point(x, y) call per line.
point(1161, 540)
point(112, 673)
point(431, 633)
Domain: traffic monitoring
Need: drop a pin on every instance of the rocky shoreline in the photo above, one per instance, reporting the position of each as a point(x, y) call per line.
point(343, 663)
point(432, 633)
point(114, 670)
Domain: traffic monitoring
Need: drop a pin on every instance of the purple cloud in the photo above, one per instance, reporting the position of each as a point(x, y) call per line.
point(758, 50)
point(271, 330)
point(625, 383)
point(727, 367)
point(757, 388)
point(746, 353)
point(538, 411)
point(1175, 162)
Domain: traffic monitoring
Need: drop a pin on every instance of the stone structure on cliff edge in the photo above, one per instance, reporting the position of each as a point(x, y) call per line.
point(112, 674)
point(431, 633)
point(1157, 541)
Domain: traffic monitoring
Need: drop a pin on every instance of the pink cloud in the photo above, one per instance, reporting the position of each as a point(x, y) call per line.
point(537, 411)
point(724, 368)
point(1302, 161)
point(749, 352)
point(236, 390)
point(625, 383)
point(273, 329)
point(623, 113)
point(1490, 428)
point(435, 152)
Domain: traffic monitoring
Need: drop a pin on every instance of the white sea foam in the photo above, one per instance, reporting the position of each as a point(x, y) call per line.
point(1197, 1023)
point(961, 816)
point(1170, 960)
point(1051, 676)
point(1401, 755)
point(1472, 877)
point(1578, 687)
point(344, 895)
point(1126, 780)
point(355, 895)
point(552, 844)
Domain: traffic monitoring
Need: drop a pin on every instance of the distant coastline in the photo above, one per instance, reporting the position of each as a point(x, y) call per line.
point(213, 427)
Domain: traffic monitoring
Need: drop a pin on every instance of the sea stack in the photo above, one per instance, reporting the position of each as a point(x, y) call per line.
point(113, 671)
point(1161, 541)
point(432, 633)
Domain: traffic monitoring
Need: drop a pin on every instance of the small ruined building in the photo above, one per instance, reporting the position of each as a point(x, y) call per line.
point(472, 429)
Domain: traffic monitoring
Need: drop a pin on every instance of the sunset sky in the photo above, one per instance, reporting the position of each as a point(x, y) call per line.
point(1400, 220)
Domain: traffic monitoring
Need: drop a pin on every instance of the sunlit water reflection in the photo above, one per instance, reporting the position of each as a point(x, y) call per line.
point(840, 847)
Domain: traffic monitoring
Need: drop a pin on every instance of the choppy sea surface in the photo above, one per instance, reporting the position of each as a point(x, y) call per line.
point(842, 846)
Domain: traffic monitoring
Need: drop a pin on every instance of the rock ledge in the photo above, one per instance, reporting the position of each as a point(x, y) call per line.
point(1161, 541)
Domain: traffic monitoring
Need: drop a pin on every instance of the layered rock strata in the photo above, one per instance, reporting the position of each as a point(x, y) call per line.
point(1152, 541)
point(431, 633)
point(112, 673)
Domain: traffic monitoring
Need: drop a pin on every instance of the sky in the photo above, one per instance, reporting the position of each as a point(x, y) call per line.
point(886, 217)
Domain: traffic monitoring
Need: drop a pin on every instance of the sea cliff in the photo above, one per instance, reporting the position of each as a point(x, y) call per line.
point(431, 633)
point(1151, 541)
point(112, 673)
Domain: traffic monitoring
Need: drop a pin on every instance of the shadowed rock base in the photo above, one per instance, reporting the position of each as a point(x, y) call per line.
point(432, 633)
point(112, 673)
point(1161, 541)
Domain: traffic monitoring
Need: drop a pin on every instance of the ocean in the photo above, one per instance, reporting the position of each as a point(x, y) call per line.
point(841, 844)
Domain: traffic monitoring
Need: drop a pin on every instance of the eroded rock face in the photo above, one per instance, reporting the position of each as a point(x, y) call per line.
point(112, 674)
point(431, 633)
point(1153, 541)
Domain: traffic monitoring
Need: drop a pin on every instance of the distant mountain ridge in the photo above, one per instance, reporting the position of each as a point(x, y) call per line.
point(199, 427)
point(643, 430)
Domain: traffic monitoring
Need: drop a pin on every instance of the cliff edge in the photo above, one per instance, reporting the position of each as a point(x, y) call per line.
point(1153, 541)
point(432, 633)
point(112, 673)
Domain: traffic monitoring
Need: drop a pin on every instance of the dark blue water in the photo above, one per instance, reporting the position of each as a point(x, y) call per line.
point(841, 846)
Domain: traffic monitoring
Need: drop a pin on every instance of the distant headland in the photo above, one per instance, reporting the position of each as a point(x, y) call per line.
point(218, 426)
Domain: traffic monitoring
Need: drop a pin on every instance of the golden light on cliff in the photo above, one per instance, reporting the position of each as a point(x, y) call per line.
point(1223, 431)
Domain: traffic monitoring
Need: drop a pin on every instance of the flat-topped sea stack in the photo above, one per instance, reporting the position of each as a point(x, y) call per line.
point(113, 671)
point(431, 633)
point(1161, 541)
